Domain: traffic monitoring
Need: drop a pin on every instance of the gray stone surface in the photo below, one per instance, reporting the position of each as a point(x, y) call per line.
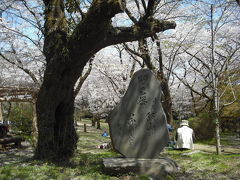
point(155, 168)
point(138, 126)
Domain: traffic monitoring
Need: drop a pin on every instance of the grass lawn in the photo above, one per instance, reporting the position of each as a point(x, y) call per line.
point(87, 162)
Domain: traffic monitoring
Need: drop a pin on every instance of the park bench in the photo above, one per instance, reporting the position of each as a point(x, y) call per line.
point(10, 140)
point(6, 139)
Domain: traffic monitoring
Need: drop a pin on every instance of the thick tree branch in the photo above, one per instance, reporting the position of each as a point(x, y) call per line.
point(141, 30)
point(143, 47)
point(160, 57)
point(98, 18)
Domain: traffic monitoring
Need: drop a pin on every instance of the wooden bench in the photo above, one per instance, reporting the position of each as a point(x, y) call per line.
point(9, 140)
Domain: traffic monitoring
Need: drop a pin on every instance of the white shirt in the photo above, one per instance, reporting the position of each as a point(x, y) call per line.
point(185, 137)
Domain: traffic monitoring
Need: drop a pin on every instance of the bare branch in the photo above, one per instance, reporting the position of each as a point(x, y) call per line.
point(79, 9)
point(150, 8)
point(144, 5)
point(20, 66)
point(134, 20)
point(132, 51)
point(83, 78)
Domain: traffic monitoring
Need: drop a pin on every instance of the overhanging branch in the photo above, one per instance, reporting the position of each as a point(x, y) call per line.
point(141, 30)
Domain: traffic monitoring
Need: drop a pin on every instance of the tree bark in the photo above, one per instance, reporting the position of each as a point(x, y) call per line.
point(1, 113)
point(93, 122)
point(166, 98)
point(34, 125)
point(98, 124)
point(66, 56)
point(55, 106)
point(218, 140)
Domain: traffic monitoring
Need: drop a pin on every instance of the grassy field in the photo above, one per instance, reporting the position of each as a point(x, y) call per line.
point(200, 163)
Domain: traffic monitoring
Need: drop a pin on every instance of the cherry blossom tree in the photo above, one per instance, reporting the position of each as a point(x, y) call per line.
point(67, 50)
point(105, 85)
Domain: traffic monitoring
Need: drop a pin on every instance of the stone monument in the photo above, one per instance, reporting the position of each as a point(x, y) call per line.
point(138, 125)
point(138, 129)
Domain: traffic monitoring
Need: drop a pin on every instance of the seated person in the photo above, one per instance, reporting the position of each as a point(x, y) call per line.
point(105, 134)
point(170, 128)
point(184, 136)
point(104, 146)
point(171, 143)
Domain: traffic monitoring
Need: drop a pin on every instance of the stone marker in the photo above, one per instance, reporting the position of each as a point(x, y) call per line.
point(155, 168)
point(138, 125)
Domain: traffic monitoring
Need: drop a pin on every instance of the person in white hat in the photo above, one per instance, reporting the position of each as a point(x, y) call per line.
point(184, 136)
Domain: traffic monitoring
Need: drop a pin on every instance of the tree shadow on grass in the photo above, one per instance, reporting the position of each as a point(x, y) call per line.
point(13, 154)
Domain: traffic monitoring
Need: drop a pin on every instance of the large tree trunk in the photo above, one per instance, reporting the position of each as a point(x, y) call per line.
point(55, 107)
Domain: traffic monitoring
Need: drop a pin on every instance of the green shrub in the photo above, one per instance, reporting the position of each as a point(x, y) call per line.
point(203, 126)
point(21, 116)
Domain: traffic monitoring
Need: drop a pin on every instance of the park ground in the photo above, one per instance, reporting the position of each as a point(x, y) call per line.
point(200, 163)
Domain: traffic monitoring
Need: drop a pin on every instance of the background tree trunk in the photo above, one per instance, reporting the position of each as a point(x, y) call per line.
point(98, 123)
point(166, 99)
point(34, 125)
point(1, 113)
point(93, 121)
point(85, 128)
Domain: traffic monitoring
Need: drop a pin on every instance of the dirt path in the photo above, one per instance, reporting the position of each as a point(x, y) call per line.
point(232, 148)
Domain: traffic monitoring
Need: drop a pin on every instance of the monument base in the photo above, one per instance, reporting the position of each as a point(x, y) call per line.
point(155, 168)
